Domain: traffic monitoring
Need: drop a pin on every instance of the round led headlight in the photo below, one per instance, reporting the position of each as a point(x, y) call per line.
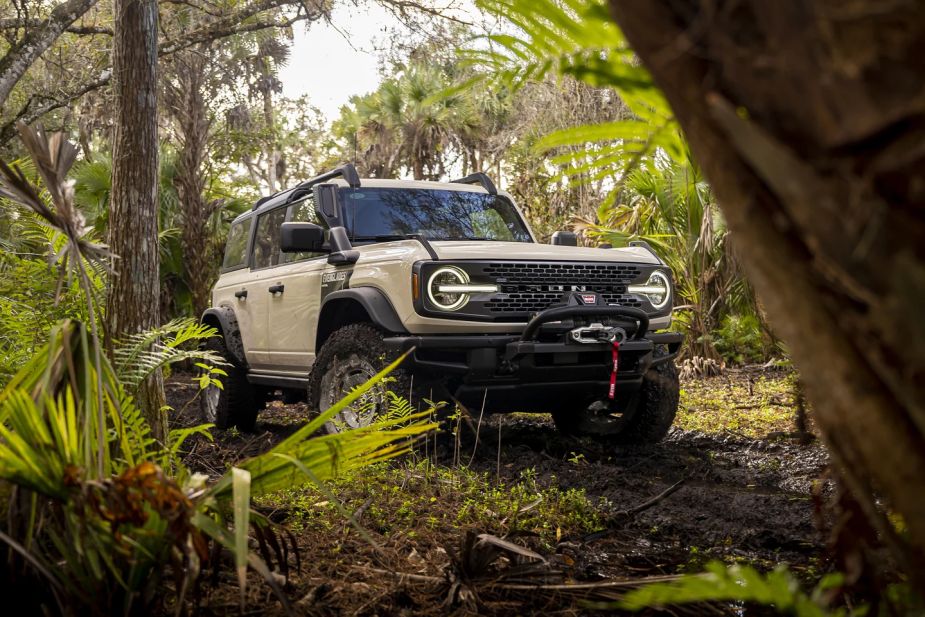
point(657, 289)
point(440, 288)
point(449, 288)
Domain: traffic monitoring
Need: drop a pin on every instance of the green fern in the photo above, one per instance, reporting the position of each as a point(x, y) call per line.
point(400, 409)
point(777, 589)
point(177, 341)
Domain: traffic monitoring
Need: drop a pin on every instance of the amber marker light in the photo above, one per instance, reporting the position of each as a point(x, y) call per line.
point(415, 287)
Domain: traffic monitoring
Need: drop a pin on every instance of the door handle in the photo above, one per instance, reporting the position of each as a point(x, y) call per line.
point(240, 295)
point(276, 289)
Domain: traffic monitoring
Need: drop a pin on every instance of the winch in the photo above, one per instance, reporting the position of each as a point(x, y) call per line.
point(598, 333)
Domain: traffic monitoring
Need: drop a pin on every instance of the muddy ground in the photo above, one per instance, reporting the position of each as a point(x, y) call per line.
point(740, 499)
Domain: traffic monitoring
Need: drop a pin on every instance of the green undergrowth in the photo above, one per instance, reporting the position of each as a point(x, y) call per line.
point(749, 406)
point(419, 498)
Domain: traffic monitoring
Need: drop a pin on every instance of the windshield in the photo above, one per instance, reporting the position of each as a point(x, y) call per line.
point(386, 213)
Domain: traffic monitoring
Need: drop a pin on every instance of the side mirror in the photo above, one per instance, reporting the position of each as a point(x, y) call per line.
point(565, 238)
point(302, 238)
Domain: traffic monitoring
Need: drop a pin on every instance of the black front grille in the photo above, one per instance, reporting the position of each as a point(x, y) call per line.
point(561, 273)
point(532, 287)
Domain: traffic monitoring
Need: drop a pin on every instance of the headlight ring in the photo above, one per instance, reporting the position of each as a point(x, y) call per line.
point(447, 300)
point(657, 289)
point(449, 288)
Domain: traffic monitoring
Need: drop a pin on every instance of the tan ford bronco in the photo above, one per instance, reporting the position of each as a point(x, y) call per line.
point(325, 283)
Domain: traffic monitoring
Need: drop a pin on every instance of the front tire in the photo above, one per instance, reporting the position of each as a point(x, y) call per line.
point(350, 357)
point(645, 418)
point(237, 402)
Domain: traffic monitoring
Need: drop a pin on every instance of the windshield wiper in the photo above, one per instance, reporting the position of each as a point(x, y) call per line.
point(392, 237)
point(382, 238)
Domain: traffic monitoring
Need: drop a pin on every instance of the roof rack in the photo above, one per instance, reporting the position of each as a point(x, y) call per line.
point(478, 177)
point(347, 171)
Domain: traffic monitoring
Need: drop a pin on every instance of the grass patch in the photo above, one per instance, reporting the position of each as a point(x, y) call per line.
point(752, 406)
point(420, 498)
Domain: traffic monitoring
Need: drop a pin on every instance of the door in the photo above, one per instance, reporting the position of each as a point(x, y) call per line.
point(264, 286)
point(293, 314)
point(235, 288)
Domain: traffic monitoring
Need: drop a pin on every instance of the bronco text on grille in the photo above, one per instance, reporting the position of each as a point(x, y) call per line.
point(531, 287)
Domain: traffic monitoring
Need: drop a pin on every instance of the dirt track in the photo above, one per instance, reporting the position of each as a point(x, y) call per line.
point(741, 499)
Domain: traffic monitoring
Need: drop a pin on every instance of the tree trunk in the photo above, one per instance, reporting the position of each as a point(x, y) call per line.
point(17, 60)
point(808, 118)
point(132, 304)
point(269, 119)
point(186, 103)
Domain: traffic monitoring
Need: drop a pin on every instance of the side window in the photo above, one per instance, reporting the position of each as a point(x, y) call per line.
point(236, 246)
point(266, 242)
point(304, 212)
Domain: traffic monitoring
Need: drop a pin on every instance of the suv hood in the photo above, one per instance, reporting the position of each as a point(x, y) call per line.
point(474, 249)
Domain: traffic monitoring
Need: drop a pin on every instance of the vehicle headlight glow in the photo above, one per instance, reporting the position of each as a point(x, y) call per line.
point(657, 289)
point(449, 288)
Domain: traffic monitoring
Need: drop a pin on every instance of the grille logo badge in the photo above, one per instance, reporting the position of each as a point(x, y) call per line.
point(589, 298)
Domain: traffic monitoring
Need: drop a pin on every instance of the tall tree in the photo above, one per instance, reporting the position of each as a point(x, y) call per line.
point(185, 102)
point(270, 54)
point(808, 118)
point(132, 304)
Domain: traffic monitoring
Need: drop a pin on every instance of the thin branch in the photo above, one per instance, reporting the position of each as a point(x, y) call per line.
point(621, 516)
point(231, 24)
point(28, 116)
point(401, 8)
point(17, 24)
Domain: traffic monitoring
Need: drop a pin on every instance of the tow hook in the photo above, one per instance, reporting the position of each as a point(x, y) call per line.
point(598, 333)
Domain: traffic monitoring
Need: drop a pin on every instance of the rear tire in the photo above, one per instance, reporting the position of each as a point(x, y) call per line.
point(349, 358)
point(237, 403)
point(645, 418)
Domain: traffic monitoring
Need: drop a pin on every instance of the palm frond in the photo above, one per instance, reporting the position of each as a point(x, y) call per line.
point(329, 455)
point(53, 157)
point(580, 40)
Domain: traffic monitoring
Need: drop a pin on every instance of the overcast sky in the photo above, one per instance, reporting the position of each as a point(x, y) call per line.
point(331, 63)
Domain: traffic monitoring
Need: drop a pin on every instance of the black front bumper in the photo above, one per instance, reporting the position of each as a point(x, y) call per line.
point(540, 370)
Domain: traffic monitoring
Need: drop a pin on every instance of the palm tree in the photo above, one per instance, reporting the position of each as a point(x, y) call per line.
point(370, 128)
point(670, 205)
point(427, 121)
point(411, 123)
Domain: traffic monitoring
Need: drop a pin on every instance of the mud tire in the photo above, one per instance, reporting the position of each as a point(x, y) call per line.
point(349, 357)
point(238, 402)
point(645, 419)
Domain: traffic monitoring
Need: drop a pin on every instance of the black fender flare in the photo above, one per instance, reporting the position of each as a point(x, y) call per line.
point(223, 318)
point(373, 301)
